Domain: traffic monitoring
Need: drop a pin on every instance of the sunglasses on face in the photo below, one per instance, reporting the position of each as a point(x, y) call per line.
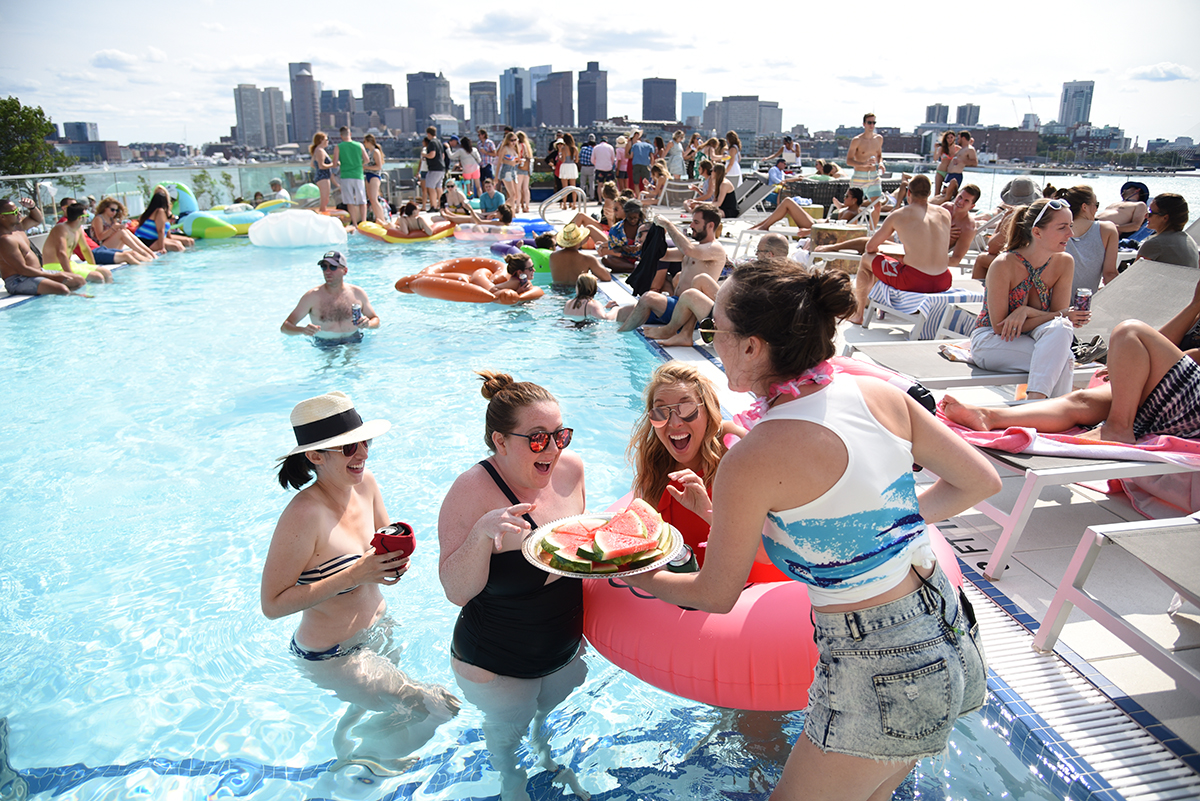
point(540, 440)
point(326, 266)
point(1050, 204)
point(708, 330)
point(10, 211)
point(348, 450)
point(686, 411)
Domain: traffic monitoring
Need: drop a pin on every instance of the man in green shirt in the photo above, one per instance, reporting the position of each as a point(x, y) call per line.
point(349, 156)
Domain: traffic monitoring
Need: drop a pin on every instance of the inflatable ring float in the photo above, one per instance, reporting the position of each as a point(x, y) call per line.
point(464, 281)
point(472, 232)
point(395, 235)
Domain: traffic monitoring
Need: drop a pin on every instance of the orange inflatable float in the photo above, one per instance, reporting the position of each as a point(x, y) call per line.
point(467, 280)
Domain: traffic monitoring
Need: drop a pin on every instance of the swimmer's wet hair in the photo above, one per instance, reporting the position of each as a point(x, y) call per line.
point(296, 471)
point(506, 397)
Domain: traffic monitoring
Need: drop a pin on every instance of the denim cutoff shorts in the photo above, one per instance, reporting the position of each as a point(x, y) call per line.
point(892, 679)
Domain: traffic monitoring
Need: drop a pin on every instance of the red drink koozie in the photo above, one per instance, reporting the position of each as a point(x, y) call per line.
point(396, 538)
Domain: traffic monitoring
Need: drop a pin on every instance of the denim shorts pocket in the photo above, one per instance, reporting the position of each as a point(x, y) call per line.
point(916, 703)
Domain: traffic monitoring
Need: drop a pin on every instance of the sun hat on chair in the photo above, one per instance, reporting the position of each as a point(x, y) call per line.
point(571, 235)
point(329, 421)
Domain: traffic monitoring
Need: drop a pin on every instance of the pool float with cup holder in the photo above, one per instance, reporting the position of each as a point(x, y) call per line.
point(395, 236)
point(465, 281)
point(758, 656)
point(297, 228)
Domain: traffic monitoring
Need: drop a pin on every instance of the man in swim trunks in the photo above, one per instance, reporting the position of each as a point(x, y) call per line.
point(924, 231)
point(966, 156)
point(1129, 214)
point(61, 243)
point(329, 306)
point(866, 157)
point(19, 265)
point(702, 258)
point(349, 156)
point(568, 264)
point(487, 147)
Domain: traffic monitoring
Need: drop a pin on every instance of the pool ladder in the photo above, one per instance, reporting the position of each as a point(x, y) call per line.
point(566, 191)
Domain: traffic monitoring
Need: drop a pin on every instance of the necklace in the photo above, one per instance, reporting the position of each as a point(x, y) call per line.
point(820, 373)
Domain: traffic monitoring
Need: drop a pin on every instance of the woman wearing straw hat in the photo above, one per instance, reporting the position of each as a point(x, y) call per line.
point(321, 564)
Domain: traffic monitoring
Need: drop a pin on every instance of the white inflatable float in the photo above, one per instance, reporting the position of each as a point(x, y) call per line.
point(297, 228)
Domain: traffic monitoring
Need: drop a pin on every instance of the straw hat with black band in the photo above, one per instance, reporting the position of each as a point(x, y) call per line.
point(330, 421)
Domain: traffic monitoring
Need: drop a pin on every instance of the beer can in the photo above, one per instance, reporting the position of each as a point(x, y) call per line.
point(1083, 299)
point(355, 313)
point(684, 563)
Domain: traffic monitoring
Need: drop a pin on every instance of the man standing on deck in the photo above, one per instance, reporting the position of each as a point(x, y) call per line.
point(20, 267)
point(640, 154)
point(435, 167)
point(349, 156)
point(330, 306)
point(966, 156)
point(604, 159)
point(488, 148)
point(866, 157)
point(587, 170)
point(924, 232)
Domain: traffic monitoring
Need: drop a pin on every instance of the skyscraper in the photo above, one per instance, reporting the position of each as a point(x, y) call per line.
point(429, 94)
point(937, 113)
point(516, 99)
point(967, 115)
point(484, 110)
point(693, 106)
point(658, 99)
point(1075, 108)
point(247, 103)
point(274, 117)
point(536, 76)
point(770, 117)
point(593, 94)
point(554, 106)
point(305, 101)
point(81, 131)
point(378, 97)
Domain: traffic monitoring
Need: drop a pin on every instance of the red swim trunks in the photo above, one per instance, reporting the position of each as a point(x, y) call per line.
point(899, 275)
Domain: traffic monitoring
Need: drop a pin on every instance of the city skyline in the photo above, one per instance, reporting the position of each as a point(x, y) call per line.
point(139, 88)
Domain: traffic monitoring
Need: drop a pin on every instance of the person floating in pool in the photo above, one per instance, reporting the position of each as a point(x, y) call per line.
point(330, 306)
point(517, 648)
point(322, 565)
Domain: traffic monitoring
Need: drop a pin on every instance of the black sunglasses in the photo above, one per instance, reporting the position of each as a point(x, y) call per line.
point(539, 440)
point(348, 450)
point(708, 330)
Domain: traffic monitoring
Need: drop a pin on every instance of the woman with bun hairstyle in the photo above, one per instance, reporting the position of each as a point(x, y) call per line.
point(518, 642)
point(823, 482)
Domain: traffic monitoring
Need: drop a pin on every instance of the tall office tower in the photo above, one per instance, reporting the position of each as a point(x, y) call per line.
point(484, 111)
point(738, 113)
point(345, 101)
point(516, 98)
point(967, 115)
point(937, 113)
point(658, 99)
point(328, 101)
point(593, 94)
point(274, 117)
point(1075, 108)
point(554, 105)
point(770, 117)
point(86, 131)
point(692, 105)
point(305, 102)
point(536, 76)
point(247, 102)
point(429, 94)
point(378, 97)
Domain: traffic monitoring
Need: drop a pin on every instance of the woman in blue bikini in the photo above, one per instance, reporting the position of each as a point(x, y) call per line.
point(321, 564)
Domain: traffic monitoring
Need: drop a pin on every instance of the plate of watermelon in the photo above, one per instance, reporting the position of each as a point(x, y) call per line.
point(603, 545)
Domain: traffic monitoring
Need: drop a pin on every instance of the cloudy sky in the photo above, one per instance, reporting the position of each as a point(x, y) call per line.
point(167, 73)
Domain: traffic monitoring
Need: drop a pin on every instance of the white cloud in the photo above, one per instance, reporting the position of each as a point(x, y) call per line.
point(212, 26)
point(155, 55)
point(337, 28)
point(1163, 71)
point(113, 59)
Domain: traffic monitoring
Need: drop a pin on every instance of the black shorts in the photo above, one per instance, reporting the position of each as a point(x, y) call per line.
point(605, 175)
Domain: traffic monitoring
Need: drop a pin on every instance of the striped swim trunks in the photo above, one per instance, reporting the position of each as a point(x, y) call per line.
point(1173, 407)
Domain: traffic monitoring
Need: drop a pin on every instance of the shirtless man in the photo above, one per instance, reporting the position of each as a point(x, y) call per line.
point(866, 157)
point(697, 303)
point(19, 266)
point(61, 243)
point(962, 224)
point(1129, 214)
point(328, 306)
point(702, 262)
point(568, 264)
point(924, 231)
point(966, 156)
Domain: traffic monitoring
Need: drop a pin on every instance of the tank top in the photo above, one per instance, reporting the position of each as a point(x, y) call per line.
point(1016, 295)
point(518, 625)
point(1088, 252)
point(350, 156)
point(729, 205)
point(860, 538)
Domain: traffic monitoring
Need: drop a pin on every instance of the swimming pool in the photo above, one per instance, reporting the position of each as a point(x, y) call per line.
point(139, 500)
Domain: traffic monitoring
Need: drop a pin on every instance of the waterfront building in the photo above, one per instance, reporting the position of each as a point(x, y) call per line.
point(691, 108)
point(1075, 108)
point(274, 117)
point(937, 113)
point(1031, 123)
point(658, 99)
point(554, 104)
point(377, 97)
point(516, 98)
point(305, 101)
point(484, 110)
point(247, 105)
point(593, 94)
point(967, 115)
point(429, 94)
point(81, 131)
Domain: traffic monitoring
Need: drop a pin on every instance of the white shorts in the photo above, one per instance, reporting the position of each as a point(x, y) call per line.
point(354, 192)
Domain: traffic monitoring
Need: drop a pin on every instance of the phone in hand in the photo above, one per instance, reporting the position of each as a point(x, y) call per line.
point(396, 538)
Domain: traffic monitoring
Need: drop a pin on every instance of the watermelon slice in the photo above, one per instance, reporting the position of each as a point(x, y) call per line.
point(604, 567)
point(565, 560)
point(575, 528)
point(559, 540)
point(624, 535)
point(649, 516)
point(643, 559)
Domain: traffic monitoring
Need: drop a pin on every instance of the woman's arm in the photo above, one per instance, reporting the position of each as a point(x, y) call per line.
point(1111, 238)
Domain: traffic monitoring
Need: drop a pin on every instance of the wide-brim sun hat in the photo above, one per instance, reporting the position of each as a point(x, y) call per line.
point(330, 421)
point(1020, 191)
point(570, 236)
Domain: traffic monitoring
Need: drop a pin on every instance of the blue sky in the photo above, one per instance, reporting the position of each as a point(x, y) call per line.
point(167, 72)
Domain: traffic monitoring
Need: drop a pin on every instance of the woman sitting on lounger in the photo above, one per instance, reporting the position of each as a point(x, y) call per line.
point(1025, 324)
point(1153, 388)
point(1093, 244)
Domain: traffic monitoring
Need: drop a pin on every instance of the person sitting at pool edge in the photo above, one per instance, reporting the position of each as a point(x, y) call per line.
point(924, 231)
point(328, 306)
point(568, 264)
point(490, 201)
point(19, 266)
point(61, 243)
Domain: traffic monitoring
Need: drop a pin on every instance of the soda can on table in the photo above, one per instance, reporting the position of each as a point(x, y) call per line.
point(1083, 299)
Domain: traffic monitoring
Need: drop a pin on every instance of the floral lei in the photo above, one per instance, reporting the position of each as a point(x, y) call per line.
point(820, 373)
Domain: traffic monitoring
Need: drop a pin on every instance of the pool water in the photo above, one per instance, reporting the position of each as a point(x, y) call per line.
point(139, 500)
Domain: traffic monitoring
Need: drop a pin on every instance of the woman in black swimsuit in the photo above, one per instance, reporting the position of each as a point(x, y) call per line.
point(322, 565)
point(517, 646)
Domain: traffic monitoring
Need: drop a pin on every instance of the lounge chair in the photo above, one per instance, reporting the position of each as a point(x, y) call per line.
point(755, 197)
point(925, 310)
point(1170, 548)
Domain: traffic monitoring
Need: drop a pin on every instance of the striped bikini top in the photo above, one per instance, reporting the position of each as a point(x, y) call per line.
point(329, 568)
point(1016, 295)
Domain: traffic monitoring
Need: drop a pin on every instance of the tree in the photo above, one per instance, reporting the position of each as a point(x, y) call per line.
point(227, 182)
point(203, 185)
point(23, 130)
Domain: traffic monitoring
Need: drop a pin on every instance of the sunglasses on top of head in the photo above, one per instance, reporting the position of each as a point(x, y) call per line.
point(348, 450)
point(687, 411)
point(1055, 204)
point(538, 441)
